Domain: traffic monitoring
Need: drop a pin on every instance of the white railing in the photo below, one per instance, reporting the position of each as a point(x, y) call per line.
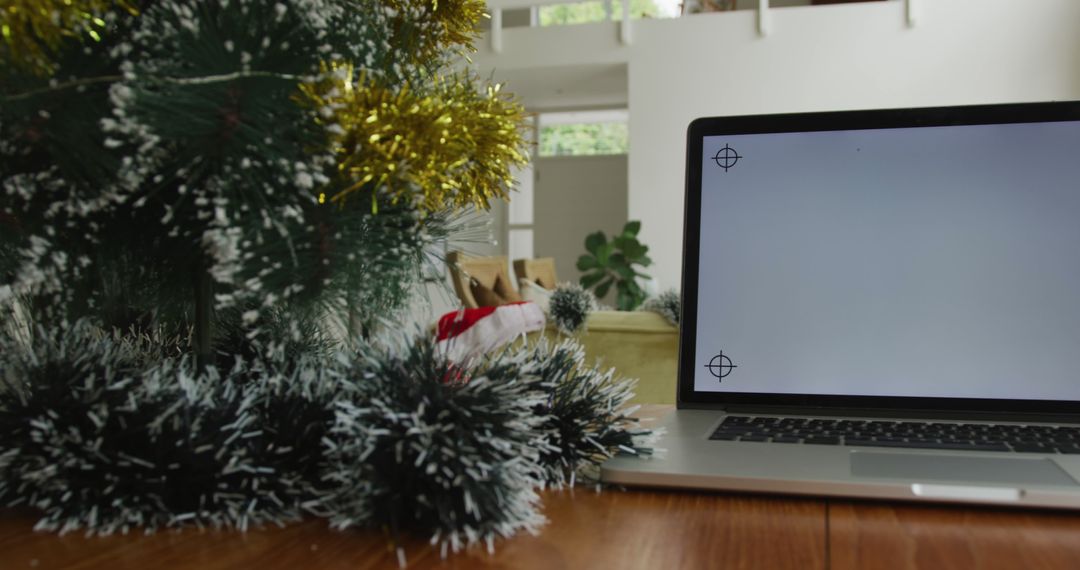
point(764, 16)
point(497, 6)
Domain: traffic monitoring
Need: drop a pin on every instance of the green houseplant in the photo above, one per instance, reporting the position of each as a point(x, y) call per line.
point(615, 263)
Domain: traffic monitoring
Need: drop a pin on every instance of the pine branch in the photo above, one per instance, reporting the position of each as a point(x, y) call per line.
point(203, 80)
point(57, 87)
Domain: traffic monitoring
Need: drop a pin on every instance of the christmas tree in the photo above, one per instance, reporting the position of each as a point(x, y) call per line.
point(223, 165)
point(197, 197)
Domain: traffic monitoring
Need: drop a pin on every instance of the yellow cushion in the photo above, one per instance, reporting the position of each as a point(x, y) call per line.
point(638, 344)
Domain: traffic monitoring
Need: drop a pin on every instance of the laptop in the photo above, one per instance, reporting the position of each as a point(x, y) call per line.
point(880, 304)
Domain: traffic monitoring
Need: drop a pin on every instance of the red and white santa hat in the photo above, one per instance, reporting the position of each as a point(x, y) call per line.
point(470, 333)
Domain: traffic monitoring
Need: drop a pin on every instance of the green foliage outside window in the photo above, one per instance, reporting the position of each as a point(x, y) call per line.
point(584, 139)
point(586, 12)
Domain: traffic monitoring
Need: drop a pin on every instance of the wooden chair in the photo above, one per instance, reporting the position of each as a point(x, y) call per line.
point(540, 271)
point(483, 277)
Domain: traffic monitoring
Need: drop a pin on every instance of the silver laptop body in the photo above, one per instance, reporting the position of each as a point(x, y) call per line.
point(880, 304)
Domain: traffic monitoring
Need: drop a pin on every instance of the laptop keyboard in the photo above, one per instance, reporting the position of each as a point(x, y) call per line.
point(884, 433)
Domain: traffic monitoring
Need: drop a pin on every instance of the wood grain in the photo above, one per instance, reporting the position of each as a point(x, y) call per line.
point(868, 536)
point(613, 529)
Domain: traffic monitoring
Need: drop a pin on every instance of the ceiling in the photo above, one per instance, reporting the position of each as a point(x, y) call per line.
point(568, 87)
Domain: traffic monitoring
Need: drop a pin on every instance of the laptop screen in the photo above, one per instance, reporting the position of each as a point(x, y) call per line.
point(917, 262)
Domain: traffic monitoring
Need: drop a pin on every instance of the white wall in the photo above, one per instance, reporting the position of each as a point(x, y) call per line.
point(576, 196)
point(825, 58)
point(848, 56)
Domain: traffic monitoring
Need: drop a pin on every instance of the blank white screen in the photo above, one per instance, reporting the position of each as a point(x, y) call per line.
point(931, 262)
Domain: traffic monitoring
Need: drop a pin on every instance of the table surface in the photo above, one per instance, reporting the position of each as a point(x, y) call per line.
point(623, 529)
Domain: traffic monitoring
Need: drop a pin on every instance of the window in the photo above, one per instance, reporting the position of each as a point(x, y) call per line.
point(584, 133)
point(601, 10)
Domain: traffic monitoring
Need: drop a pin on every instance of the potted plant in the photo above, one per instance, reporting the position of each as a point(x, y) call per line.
point(615, 263)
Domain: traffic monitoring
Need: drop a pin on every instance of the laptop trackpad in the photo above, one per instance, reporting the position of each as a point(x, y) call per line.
point(920, 467)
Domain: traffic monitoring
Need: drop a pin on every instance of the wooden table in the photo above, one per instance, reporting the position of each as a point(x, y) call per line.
point(614, 529)
point(623, 530)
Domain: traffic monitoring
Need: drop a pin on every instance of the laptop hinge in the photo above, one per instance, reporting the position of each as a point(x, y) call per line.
point(901, 413)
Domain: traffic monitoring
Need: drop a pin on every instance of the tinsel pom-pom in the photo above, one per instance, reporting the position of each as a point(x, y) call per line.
point(589, 416)
point(445, 145)
point(430, 27)
point(569, 306)
point(98, 442)
point(421, 444)
point(30, 30)
point(668, 304)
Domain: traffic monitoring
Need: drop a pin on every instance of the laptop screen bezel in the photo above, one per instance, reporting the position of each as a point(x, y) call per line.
point(687, 397)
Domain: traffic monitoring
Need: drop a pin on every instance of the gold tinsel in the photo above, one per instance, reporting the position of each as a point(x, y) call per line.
point(32, 29)
point(442, 25)
point(452, 146)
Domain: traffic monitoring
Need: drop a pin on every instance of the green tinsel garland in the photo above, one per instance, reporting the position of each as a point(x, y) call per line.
point(97, 440)
point(104, 434)
point(420, 443)
point(590, 418)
